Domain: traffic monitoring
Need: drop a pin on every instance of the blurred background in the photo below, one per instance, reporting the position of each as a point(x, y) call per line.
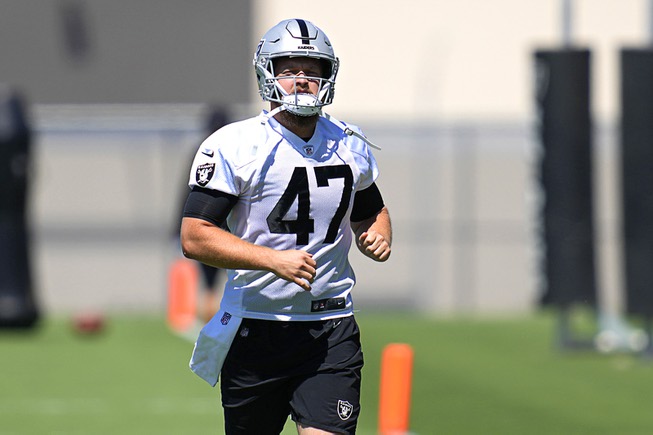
point(118, 94)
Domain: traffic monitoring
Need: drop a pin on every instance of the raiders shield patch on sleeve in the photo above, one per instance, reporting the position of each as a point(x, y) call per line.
point(204, 173)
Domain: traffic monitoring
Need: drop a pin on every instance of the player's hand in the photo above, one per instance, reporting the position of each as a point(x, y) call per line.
point(374, 245)
point(295, 266)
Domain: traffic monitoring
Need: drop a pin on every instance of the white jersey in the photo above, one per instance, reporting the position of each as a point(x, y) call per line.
point(291, 194)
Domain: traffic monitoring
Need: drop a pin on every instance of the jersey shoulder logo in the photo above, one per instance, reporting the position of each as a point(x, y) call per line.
point(204, 173)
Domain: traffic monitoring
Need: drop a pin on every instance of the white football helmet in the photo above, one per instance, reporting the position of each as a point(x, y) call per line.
point(295, 38)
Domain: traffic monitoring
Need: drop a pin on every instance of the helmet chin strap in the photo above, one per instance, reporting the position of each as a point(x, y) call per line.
point(302, 104)
point(284, 107)
point(266, 117)
point(287, 105)
point(348, 131)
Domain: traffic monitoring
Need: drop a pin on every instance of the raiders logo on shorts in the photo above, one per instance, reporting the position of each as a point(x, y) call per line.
point(344, 409)
point(204, 173)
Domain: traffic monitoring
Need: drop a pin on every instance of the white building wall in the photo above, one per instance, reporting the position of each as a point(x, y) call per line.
point(447, 60)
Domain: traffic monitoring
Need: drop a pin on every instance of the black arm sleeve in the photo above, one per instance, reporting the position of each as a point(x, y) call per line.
point(367, 203)
point(210, 205)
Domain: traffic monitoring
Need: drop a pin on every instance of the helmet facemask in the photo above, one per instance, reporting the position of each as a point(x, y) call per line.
point(297, 102)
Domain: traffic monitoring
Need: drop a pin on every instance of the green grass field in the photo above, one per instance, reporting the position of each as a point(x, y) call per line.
point(471, 376)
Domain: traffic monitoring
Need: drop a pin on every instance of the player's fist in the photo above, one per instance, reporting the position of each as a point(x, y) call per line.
point(374, 245)
point(295, 266)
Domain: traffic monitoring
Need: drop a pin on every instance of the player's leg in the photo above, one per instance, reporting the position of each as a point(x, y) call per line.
point(262, 416)
point(255, 393)
point(329, 400)
point(303, 430)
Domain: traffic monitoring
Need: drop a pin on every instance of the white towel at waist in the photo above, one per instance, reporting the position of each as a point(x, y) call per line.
point(212, 346)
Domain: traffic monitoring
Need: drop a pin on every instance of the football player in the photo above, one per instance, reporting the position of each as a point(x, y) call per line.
point(294, 187)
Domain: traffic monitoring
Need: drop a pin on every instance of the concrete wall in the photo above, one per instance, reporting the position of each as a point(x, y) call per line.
point(144, 51)
point(415, 59)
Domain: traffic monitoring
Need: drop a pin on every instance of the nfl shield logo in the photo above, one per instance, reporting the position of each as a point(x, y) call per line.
point(308, 150)
point(344, 409)
point(225, 318)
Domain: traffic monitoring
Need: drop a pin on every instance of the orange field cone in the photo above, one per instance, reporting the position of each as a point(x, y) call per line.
point(395, 388)
point(182, 295)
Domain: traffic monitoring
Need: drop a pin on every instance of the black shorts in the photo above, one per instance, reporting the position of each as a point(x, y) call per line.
point(309, 370)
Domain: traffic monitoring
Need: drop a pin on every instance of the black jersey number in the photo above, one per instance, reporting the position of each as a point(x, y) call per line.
point(298, 188)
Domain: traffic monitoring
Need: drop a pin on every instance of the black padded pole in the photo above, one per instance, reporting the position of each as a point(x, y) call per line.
point(17, 305)
point(565, 178)
point(637, 178)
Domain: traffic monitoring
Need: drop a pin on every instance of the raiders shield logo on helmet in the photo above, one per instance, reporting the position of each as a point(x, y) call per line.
point(204, 173)
point(344, 409)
